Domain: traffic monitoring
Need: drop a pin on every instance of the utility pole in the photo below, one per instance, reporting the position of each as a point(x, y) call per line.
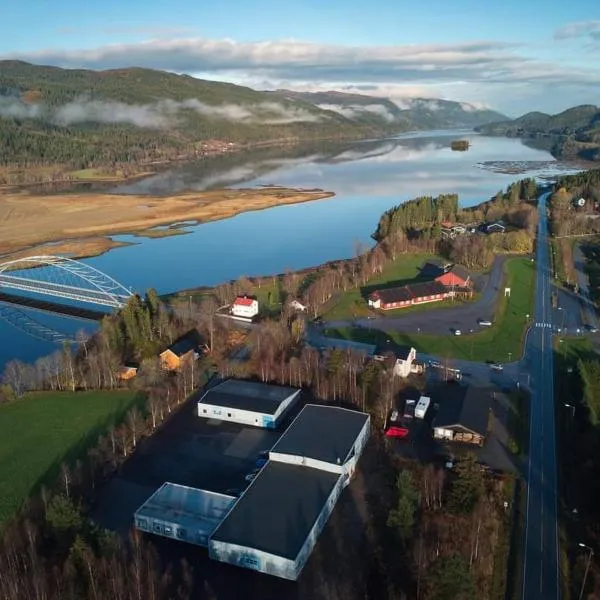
point(587, 566)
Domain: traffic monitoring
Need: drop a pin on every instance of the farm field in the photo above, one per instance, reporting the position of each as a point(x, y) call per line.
point(499, 343)
point(43, 430)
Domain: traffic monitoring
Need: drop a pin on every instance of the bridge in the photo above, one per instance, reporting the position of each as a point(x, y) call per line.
point(62, 277)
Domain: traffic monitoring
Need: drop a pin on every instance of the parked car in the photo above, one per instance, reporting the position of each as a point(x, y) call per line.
point(484, 323)
point(457, 332)
point(394, 415)
point(497, 367)
point(396, 432)
point(591, 329)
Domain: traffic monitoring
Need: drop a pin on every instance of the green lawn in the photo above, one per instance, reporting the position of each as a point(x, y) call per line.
point(352, 303)
point(41, 430)
point(493, 344)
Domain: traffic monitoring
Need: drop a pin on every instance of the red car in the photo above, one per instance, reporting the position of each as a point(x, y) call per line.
point(396, 432)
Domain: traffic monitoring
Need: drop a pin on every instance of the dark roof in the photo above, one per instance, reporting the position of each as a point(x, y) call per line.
point(466, 407)
point(278, 510)
point(189, 341)
point(460, 272)
point(408, 292)
point(325, 433)
point(247, 395)
point(402, 352)
point(433, 268)
point(495, 224)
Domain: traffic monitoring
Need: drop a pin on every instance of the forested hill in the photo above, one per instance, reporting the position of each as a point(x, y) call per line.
point(409, 113)
point(87, 118)
point(576, 130)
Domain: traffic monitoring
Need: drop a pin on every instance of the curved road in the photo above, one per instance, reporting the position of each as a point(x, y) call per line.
point(541, 571)
point(463, 317)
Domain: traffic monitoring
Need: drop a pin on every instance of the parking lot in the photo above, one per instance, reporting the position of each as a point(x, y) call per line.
point(187, 450)
point(421, 445)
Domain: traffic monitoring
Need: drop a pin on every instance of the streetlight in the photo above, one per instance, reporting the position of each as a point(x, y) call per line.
point(509, 356)
point(572, 409)
point(587, 566)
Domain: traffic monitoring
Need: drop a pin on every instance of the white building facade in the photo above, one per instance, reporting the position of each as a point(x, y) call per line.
point(244, 307)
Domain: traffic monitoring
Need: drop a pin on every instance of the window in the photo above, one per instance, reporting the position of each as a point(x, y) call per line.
point(157, 527)
point(141, 523)
point(168, 529)
point(251, 561)
point(204, 411)
point(181, 533)
point(229, 415)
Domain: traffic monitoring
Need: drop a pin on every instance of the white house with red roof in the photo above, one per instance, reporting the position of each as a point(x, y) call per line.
point(245, 307)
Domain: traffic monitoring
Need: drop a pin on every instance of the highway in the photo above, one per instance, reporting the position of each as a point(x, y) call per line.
point(541, 572)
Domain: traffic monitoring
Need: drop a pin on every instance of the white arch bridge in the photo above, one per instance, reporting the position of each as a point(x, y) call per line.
point(62, 277)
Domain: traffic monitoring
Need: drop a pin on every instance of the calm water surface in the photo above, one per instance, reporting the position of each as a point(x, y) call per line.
point(367, 177)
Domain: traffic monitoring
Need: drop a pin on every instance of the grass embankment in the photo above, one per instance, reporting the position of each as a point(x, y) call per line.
point(353, 302)
point(495, 343)
point(27, 220)
point(577, 462)
point(591, 250)
point(43, 430)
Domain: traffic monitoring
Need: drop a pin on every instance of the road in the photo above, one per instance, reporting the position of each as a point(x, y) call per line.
point(541, 572)
point(440, 320)
point(583, 282)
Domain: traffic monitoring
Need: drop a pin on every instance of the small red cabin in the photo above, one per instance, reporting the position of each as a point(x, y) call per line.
point(396, 432)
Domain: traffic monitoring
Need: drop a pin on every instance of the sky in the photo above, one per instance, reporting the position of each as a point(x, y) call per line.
point(512, 55)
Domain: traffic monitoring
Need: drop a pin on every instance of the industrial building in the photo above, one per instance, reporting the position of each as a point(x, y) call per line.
point(273, 526)
point(247, 402)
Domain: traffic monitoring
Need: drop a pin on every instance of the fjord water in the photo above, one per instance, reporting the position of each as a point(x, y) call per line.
point(367, 178)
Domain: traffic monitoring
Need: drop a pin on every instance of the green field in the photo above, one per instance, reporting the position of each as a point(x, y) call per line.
point(42, 430)
point(493, 344)
point(352, 303)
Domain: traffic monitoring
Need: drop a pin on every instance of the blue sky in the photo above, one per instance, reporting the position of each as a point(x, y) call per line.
point(513, 55)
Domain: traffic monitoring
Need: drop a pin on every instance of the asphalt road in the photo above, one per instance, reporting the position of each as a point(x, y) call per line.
point(541, 571)
point(441, 320)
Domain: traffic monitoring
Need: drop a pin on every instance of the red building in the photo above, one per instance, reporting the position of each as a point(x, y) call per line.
point(409, 295)
point(455, 277)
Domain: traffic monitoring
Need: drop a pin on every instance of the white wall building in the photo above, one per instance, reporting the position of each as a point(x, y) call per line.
point(245, 307)
point(297, 305)
point(183, 513)
point(247, 402)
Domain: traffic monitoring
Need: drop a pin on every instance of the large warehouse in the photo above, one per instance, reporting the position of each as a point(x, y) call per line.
point(275, 523)
point(247, 402)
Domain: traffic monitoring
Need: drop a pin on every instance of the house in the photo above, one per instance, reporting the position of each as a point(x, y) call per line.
point(463, 415)
point(296, 305)
point(245, 307)
point(495, 227)
point(434, 267)
point(451, 230)
point(409, 295)
point(182, 350)
point(402, 359)
point(456, 276)
point(129, 371)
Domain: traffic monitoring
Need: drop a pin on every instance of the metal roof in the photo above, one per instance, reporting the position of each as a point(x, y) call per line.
point(325, 433)
point(254, 396)
point(279, 509)
point(463, 407)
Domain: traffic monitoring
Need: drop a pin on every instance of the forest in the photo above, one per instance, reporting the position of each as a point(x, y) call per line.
point(83, 119)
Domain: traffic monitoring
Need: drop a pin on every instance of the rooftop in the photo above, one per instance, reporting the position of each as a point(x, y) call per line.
point(341, 344)
point(410, 292)
point(187, 342)
point(244, 301)
point(325, 433)
point(194, 510)
point(247, 395)
point(466, 407)
point(459, 272)
point(278, 510)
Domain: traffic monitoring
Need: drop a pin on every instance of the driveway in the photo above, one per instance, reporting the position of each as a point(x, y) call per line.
point(441, 320)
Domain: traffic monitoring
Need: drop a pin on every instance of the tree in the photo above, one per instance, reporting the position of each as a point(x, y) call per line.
point(467, 487)
point(450, 579)
point(402, 518)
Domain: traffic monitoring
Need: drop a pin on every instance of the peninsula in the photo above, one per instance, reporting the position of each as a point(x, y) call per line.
point(30, 220)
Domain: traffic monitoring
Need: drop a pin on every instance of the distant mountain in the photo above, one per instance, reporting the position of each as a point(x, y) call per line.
point(77, 118)
point(409, 114)
point(574, 132)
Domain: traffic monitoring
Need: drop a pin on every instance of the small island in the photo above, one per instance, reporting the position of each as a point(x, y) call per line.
point(460, 145)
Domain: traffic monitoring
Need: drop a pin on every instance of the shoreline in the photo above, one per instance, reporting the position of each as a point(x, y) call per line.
point(77, 223)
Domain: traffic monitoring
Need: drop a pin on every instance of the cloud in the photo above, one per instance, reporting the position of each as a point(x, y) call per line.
point(478, 71)
point(352, 111)
point(162, 114)
point(581, 29)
